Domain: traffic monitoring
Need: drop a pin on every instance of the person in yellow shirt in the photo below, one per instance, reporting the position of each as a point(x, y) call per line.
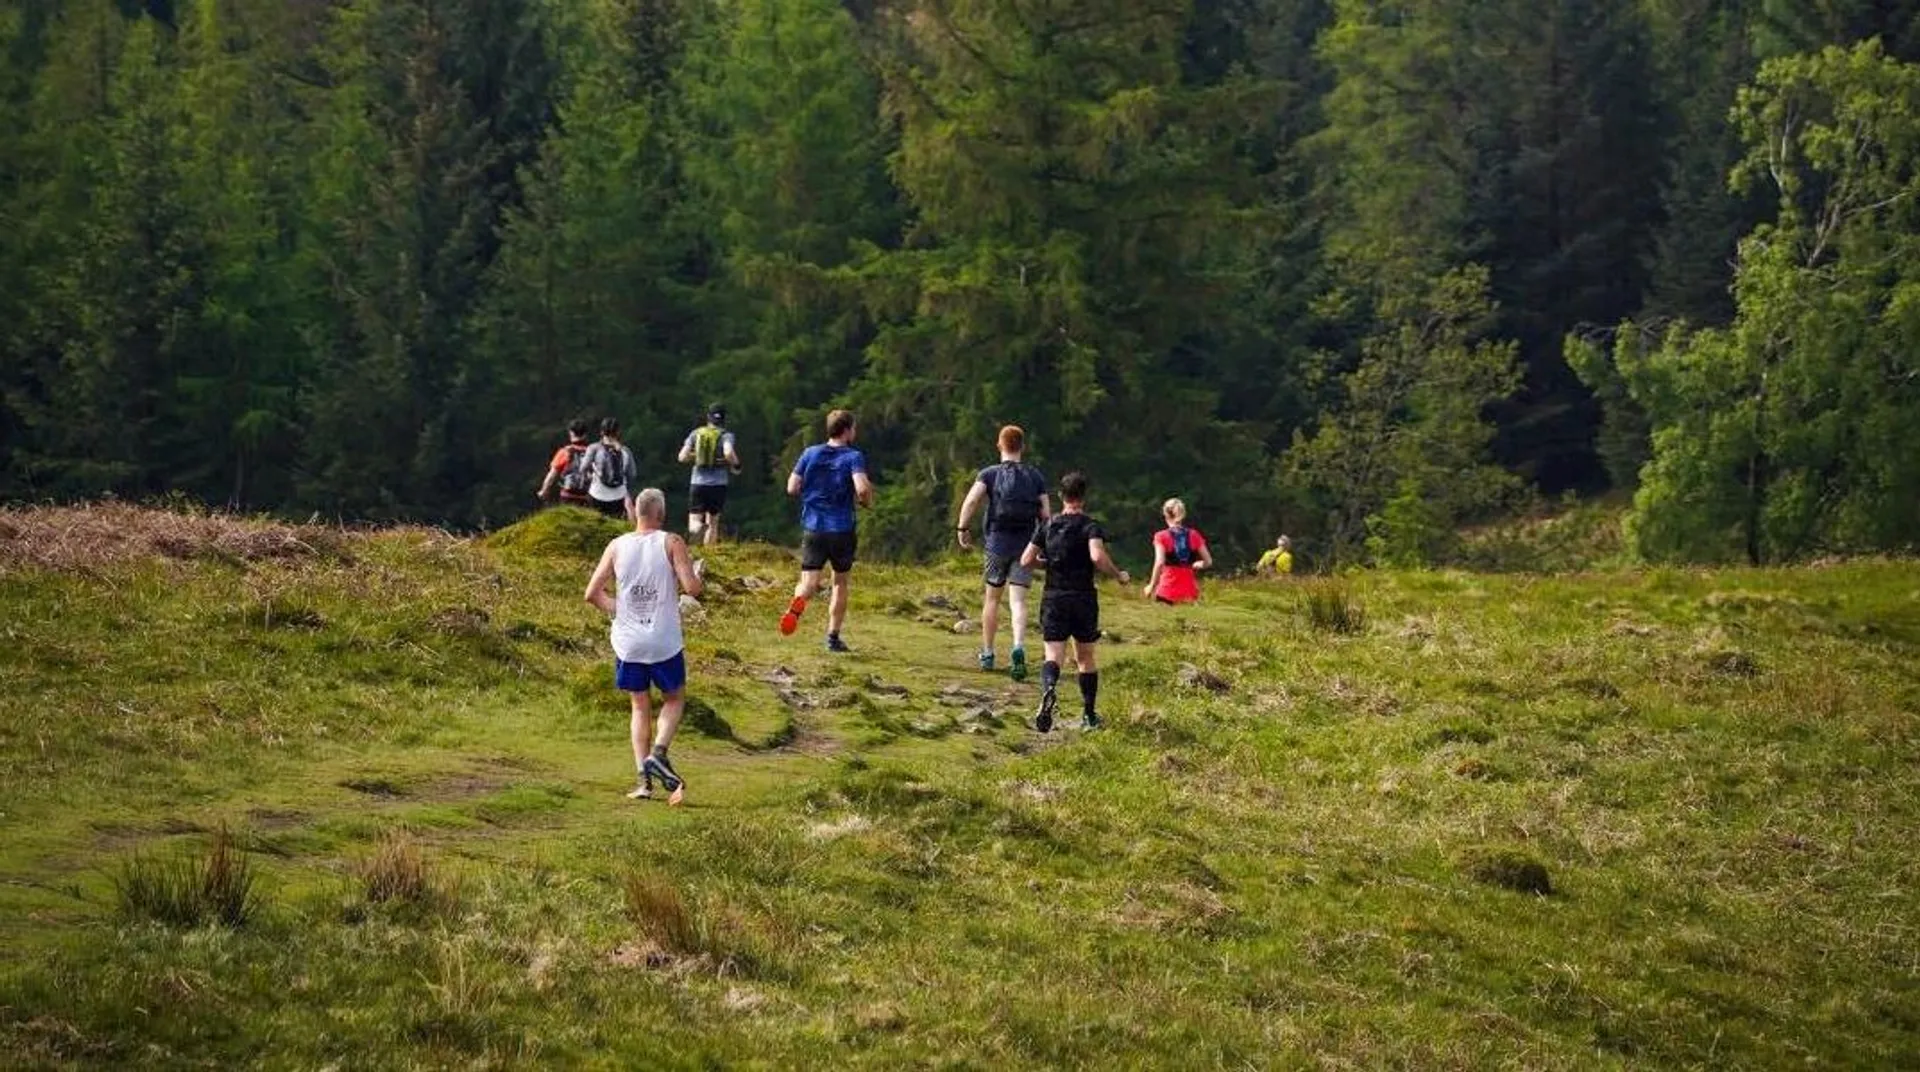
point(1279, 560)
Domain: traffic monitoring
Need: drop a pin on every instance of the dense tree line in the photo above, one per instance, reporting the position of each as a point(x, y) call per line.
point(1365, 269)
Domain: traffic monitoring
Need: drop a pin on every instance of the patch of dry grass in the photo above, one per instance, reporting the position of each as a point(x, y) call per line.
point(98, 534)
point(399, 873)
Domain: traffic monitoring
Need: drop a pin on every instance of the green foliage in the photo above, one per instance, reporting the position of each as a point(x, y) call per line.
point(1623, 439)
point(367, 258)
point(786, 157)
point(1403, 452)
point(1568, 537)
point(1541, 167)
point(1793, 431)
point(1076, 221)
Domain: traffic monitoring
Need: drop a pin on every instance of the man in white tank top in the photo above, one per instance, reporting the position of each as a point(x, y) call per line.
point(649, 568)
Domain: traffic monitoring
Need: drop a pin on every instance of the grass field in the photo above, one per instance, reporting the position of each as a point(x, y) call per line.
point(311, 799)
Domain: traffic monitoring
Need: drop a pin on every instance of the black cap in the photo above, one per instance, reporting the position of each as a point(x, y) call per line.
point(717, 413)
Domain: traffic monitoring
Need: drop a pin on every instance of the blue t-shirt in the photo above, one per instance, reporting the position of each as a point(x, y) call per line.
point(826, 486)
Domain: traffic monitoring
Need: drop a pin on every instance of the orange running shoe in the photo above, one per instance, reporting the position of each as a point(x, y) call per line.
point(791, 619)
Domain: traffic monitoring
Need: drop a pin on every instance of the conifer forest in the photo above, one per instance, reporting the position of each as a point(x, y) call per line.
point(1369, 272)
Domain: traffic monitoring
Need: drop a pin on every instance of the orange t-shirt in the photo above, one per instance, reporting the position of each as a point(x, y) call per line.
point(1177, 583)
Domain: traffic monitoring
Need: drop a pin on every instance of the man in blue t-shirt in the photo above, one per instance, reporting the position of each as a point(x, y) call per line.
point(1016, 498)
point(831, 480)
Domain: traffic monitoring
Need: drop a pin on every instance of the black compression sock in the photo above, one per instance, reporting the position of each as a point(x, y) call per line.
point(659, 751)
point(1089, 689)
point(1050, 674)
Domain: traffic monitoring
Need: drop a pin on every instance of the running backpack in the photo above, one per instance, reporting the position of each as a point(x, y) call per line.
point(575, 477)
point(1182, 546)
point(707, 447)
point(612, 466)
point(1014, 505)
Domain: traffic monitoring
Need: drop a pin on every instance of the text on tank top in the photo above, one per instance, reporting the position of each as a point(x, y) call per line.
point(646, 620)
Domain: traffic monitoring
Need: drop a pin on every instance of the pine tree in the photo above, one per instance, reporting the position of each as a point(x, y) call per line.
point(1401, 455)
point(787, 159)
point(240, 371)
point(1070, 200)
point(591, 307)
point(432, 107)
point(1543, 166)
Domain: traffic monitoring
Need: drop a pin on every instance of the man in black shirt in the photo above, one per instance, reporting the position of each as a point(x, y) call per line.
point(1073, 546)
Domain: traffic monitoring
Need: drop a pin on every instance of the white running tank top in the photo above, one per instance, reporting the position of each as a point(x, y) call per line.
point(646, 615)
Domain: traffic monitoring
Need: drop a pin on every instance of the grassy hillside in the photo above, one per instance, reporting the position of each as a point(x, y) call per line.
point(1601, 820)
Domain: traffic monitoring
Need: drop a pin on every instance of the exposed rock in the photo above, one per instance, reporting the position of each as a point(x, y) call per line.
point(961, 696)
point(1190, 676)
point(979, 716)
point(875, 685)
point(965, 626)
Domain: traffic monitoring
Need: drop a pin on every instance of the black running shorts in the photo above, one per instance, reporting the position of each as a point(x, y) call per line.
point(1070, 616)
point(706, 498)
point(818, 549)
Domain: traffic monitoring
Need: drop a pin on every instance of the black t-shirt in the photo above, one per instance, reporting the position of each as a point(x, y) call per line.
point(1064, 540)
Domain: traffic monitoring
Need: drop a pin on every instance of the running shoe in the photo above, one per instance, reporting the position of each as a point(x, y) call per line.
point(1092, 722)
point(643, 791)
point(662, 768)
point(986, 661)
point(1018, 671)
point(1043, 722)
point(791, 619)
point(834, 643)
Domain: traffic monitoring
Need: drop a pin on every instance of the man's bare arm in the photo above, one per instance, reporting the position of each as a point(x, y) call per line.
point(597, 584)
point(967, 507)
point(1097, 548)
point(690, 580)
